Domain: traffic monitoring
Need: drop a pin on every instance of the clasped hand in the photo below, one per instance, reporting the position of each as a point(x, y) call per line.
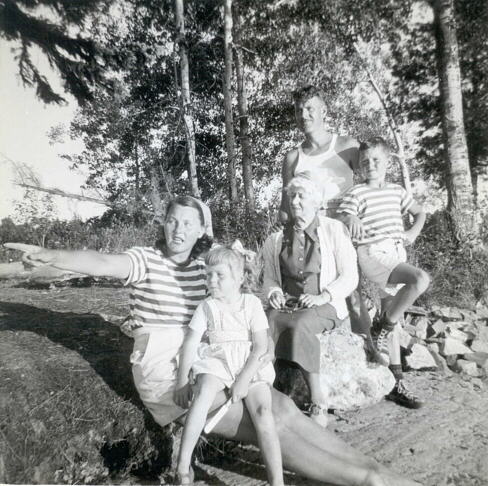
point(277, 300)
point(239, 389)
point(183, 395)
point(355, 227)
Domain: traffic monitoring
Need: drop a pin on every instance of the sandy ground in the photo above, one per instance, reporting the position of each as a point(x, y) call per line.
point(444, 443)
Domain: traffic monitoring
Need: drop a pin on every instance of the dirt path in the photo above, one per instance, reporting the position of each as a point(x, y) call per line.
point(444, 443)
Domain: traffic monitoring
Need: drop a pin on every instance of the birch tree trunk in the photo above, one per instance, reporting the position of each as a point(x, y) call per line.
point(227, 87)
point(461, 206)
point(391, 123)
point(247, 175)
point(186, 108)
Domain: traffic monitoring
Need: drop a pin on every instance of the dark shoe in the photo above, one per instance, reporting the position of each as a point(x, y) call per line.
point(380, 333)
point(318, 413)
point(372, 354)
point(401, 396)
point(380, 341)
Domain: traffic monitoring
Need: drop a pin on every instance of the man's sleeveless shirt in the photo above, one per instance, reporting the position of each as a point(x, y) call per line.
point(330, 172)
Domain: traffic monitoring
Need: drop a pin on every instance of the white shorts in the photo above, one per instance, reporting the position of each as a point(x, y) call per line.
point(378, 260)
point(154, 368)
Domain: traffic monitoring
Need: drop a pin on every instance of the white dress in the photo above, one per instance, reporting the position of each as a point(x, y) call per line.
point(229, 333)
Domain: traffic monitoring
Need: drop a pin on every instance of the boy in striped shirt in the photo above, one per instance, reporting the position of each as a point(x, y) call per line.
point(373, 212)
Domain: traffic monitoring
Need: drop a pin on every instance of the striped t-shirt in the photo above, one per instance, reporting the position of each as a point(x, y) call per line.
point(163, 293)
point(380, 209)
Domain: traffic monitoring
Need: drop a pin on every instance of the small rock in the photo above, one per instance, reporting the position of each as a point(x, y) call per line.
point(481, 310)
point(452, 346)
point(457, 334)
point(438, 327)
point(468, 314)
point(479, 346)
point(447, 312)
point(478, 357)
point(421, 326)
point(468, 367)
point(420, 358)
point(416, 310)
point(433, 347)
point(477, 382)
point(471, 328)
point(410, 329)
point(482, 334)
point(404, 337)
point(442, 365)
point(457, 324)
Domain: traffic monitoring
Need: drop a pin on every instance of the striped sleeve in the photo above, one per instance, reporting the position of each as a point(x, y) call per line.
point(406, 200)
point(349, 204)
point(138, 265)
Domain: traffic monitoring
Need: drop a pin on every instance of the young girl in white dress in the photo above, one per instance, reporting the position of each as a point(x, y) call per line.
point(235, 327)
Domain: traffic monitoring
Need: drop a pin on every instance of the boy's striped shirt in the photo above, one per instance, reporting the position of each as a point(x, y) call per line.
point(163, 293)
point(380, 209)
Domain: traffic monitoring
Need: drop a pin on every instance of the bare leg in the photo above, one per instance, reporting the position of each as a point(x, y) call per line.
point(258, 404)
point(318, 394)
point(416, 282)
point(328, 458)
point(206, 389)
point(358, 312)
point(361, 324)
point(394, 347)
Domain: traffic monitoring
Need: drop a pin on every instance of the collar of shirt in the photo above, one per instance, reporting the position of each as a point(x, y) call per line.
point(311, 231)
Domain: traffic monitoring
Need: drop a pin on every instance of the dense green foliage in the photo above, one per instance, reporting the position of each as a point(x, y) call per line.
point(78, 59)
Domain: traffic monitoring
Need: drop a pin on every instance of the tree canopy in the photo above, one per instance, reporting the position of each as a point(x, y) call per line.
point(50, 25)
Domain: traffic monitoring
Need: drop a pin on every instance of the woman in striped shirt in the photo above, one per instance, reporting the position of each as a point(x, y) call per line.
point(167, 283)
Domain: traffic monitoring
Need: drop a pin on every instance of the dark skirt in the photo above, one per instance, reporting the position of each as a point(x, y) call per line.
point(296, 333)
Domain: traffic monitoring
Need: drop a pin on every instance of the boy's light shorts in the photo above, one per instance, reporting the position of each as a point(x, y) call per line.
point(378, 260)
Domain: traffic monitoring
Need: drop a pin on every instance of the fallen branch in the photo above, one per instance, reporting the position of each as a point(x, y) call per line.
point(60, 192)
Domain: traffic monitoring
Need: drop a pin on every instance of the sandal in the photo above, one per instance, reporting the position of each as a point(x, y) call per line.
point(185, 478)
point(318, 413)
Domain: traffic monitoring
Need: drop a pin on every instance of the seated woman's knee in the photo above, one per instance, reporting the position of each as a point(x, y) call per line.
point(284, 409)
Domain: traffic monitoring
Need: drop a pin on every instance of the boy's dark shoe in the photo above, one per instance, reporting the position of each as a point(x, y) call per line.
point(381, 332)
point(402, 396)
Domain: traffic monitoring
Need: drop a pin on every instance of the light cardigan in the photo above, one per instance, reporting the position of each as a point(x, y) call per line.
point(338, 265)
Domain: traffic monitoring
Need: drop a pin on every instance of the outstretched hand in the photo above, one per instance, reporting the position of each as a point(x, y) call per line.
point(33, 255)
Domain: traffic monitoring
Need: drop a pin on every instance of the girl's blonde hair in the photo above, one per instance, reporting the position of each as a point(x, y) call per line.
point(241, 269)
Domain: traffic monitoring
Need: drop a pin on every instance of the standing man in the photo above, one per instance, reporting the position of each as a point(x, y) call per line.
point(330, 158)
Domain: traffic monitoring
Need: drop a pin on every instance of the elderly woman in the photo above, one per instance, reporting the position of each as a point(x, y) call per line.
point(167, 282)
point(309, 269)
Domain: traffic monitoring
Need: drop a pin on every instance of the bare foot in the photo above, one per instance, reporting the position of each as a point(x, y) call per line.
point(375, 479)
point(397, 480)
point(387, 479)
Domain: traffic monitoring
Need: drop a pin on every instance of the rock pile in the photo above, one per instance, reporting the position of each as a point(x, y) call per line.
point(447, 339)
